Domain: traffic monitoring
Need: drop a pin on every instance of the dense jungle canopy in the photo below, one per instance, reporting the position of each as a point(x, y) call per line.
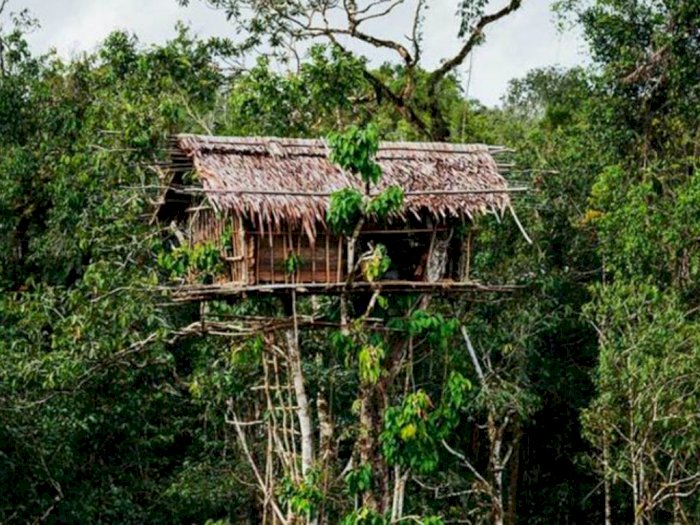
point(586, 408)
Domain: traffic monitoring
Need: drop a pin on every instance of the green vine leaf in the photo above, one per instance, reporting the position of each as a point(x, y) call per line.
point(387, 203)
point(345, 210)
point(354, 151)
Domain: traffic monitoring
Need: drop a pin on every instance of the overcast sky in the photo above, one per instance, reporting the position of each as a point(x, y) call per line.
point(527, 39)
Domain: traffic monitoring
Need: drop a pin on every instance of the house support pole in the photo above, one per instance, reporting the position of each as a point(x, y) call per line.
point(302, 400)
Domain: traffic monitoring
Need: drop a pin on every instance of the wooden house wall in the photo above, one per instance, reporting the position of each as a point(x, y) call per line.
point(241, 260)
point(227, 233)
point(319, 262)
point(204, 225)
point(253, 257)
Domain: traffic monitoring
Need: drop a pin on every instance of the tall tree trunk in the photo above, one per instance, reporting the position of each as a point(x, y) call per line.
point(496, 467)
point(513, 476)
point(325, 449)
point(398, 494)
point(367, 445)
point(634, 465)
point(439, 129)
point(302, 401)
point(606, 480)
point(351, 263)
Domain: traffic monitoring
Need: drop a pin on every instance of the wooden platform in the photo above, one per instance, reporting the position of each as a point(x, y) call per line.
point(199, 292)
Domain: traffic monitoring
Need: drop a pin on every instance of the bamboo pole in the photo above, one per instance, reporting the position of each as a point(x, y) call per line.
point(340, 259)
point(313, 259)
point(244, 265)
point(234, 250)
point(284, 254)
point(272, 259)
point(328, 258)
point(257, 259)
point(417, 193)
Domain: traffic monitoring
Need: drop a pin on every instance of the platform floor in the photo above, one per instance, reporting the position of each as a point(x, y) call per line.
point(202, 292)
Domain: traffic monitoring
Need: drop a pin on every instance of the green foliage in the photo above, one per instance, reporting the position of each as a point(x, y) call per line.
point(303, 497)
point(387, 203)
point(354, 151)
point(343, 345)
point(292, 264)
point(369, 360)
point(359, 480)
point(470, 11)
point(203, 259)
point(438, 330)
point(345, 209)
point(376, 264)
point(433, 520)
point(648, 368)
point(348, 206)
point(454, 396)
point(88, 372)
point(409, 437)
point(412, 431)
point(266, 102)
point(364, 516)
point(108, 416)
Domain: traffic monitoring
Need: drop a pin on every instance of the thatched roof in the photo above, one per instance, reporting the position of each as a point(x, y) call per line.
point(273, 181)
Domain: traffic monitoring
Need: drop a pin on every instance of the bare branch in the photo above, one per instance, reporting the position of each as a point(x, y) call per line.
point(370, 6)
point(353, 24)
point(383, 90)
point(415, 32)
point(466, 463)
point(472, 354)
point(244, 446)
point(379, 14)
point(520, 226)
point(474, 39)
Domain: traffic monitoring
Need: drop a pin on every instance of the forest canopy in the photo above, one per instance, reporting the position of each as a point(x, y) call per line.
point(575, 399)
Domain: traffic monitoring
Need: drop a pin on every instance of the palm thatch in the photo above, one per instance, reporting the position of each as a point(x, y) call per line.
point(277, 182)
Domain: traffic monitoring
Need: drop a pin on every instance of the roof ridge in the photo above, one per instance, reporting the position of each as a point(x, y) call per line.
point(286, 146)
point(209, 141)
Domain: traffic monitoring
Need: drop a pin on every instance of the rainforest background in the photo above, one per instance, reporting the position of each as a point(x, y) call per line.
point(592, 382)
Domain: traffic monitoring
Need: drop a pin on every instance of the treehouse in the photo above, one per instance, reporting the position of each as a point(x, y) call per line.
point(260, 204)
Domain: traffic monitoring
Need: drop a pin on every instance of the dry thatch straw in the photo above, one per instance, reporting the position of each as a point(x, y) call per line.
point(276, 182)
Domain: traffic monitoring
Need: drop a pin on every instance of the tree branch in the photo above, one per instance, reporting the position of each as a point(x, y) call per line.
point(439, 129)
point(379, 14)
point(474, 38)
point(246, 451)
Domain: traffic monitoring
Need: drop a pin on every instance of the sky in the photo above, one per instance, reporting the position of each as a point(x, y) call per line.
point(514, 45)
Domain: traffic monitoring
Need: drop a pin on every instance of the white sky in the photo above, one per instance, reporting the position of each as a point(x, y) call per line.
point(514, 45)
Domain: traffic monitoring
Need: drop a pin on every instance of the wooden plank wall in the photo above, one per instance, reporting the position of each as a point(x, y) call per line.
point(238, 252)
point(320, 262)
point(237, 258)
point(252, 257)
point(204, 225)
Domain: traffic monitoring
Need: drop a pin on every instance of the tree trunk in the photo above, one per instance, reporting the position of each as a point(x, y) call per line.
point(513, 476)
point(496, 467)
point(325, 449)
point(367, 445)
point(344, 296)
point(439, 129)
point(398, 494)
point(302, 401)
point(606, 480)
